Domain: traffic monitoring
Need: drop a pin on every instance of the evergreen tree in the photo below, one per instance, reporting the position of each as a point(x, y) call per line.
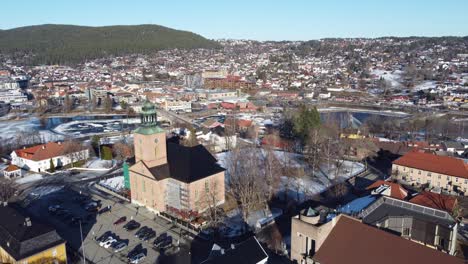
point(305, 120)
point(106, 153)
point(52, 166)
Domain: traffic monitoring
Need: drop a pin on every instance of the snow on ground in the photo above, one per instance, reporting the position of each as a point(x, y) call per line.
point(45, 190)
point(256, 219)
point(393, 77)
point(425, 85)
point(29, 178)
point(312, 183)
point(115, 184)
point(98, 164)
point(74, 127)
point(11, 128)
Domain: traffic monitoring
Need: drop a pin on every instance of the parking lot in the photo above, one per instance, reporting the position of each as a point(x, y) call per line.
point(94, 225)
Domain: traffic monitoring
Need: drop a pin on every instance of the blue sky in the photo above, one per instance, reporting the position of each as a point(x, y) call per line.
point(254, 19)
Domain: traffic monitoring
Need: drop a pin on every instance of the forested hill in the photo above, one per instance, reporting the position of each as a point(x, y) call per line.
point(57, 44)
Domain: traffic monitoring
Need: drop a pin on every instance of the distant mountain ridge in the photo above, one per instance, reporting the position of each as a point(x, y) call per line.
point(55, 44)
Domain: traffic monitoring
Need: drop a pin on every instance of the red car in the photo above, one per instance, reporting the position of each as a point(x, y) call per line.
point(120, 220)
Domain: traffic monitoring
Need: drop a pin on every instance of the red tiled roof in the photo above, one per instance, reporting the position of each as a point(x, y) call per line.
point(434, 163)
point(396, 190)
point(244, 123)
point(435, 200)
point(11, 168)
point(351, 241)
point(43, 152)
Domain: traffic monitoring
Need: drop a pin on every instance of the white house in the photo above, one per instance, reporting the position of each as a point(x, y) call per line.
point(38, 158)
point(11, 172)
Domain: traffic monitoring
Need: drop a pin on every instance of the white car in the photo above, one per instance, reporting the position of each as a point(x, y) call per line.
point(109, 243)
point(105, 241)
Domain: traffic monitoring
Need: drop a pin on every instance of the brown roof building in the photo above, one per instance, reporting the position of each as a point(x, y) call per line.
point(351, 241)
point(442, 172)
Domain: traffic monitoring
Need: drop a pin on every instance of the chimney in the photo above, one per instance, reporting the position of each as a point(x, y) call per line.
point(5, 203)
point(232, 246)
point(60, 143)
point(222, 251)
point(43, 146)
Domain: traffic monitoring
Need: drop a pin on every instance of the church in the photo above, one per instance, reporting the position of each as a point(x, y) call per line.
point(169, 177)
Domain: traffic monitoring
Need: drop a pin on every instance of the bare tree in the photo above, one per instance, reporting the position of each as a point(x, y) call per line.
point(74, 150)
point(272, 171)
point(209, 200)
point(7, 190)
point(122, 150)
point(245, 181)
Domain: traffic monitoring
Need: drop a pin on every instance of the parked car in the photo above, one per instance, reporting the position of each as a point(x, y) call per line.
point(119, 246)
point(166, 243)
point(150, 235)
point(144, 233)
point(109, 243)
point(54, 208)
point(104, 236)
point(137, 249)
point(106, 240)
point(141, 230)
point(137, 258)
point(160, 239)
point(120, 220)
point(131, 225)
point(104, 210)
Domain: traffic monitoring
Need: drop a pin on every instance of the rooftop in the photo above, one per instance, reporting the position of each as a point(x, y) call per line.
point(434, 163)
point(360, 243)
point(186, 164)
point(22, 236)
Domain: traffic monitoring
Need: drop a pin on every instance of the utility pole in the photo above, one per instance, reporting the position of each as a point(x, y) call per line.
point(82, 245)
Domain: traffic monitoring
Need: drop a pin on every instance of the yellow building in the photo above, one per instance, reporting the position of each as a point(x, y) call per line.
point(420, 168)
point(26, 241)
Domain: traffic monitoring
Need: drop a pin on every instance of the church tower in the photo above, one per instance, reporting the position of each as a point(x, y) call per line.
point(150, 139)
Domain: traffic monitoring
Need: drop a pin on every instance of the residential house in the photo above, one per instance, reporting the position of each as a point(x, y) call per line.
point(37, 158)
point(12, 171)
point(25, 240)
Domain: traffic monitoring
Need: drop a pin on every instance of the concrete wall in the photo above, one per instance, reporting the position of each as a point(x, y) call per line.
point(302, 230)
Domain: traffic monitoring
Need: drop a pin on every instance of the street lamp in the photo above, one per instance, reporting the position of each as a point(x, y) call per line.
point(82, 245)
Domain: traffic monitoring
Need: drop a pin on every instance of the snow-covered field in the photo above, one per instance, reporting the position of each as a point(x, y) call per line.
point(98, 164)
point(312, 183)
point(393, 77)
point(115, 184)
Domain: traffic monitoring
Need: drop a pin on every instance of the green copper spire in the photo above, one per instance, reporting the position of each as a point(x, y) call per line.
point(149, 122)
